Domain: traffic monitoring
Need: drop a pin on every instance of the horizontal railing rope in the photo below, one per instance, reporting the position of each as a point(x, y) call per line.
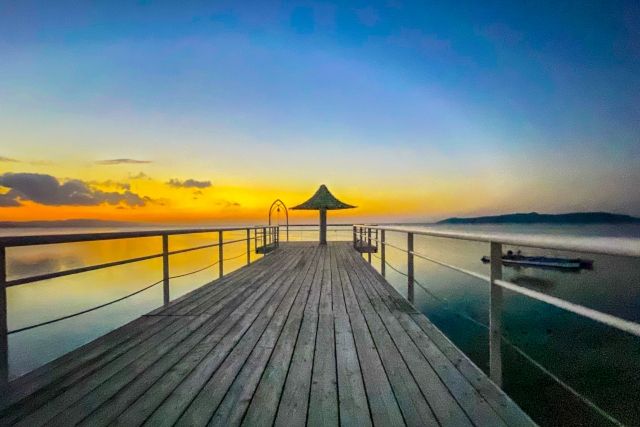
point(48, 322)
point(47, 276)
point(610, 320)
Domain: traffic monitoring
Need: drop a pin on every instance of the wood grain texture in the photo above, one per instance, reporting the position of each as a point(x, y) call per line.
point(309, 335)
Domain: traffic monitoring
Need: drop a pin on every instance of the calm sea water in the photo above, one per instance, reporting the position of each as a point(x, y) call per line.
point(596, 360)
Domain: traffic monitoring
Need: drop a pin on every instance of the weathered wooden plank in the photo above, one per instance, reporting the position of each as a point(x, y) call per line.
point(498, 399)
point(173, 407)
point(323, 401)
point(440, 394)
point(384, 407)
point(452, 364)
point(414, 406)
point(172, 389)
point(264, 404)
point(309, 335)
point(268, 322)
point(58, 398)
point(354, 409)
point(90, 356)
point(444, 406)
point(233, 407)
point(292, 410)
point(113, 398)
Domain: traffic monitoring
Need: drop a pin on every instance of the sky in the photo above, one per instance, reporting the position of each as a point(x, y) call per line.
point(199, 111)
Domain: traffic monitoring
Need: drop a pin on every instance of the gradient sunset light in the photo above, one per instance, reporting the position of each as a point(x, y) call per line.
point(414, 111)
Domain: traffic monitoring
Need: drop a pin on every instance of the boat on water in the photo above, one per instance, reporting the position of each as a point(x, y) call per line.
point(517, 259)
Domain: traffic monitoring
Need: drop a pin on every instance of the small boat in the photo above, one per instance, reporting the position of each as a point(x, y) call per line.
point(517, 259)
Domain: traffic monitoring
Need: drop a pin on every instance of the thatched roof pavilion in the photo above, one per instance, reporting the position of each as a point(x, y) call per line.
point(323, 201)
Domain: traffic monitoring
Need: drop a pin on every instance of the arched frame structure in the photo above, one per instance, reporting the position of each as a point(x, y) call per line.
point(277, 204)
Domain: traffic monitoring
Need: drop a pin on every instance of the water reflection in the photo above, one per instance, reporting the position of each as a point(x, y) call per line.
point(49, 299)
point(35, 264)
point(599, 361)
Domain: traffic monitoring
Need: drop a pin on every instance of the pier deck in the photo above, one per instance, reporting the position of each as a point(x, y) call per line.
point(309, 334)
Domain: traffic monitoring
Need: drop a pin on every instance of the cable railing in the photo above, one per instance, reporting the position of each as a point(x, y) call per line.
point(373, 239)
point(262, 237)
point(335, 232)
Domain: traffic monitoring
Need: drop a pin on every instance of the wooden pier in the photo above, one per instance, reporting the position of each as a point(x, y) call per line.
point(309, 334)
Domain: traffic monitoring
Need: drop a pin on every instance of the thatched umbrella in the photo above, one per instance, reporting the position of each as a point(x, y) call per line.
point(323, 200)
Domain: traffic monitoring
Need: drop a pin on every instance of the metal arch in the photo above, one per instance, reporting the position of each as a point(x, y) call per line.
point(278, 203)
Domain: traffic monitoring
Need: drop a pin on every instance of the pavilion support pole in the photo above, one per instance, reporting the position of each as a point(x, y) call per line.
point(323, 226)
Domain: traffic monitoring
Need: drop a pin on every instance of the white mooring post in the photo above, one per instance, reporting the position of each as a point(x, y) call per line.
point(495, 316)
point(248, 246)
point(410, 277)
point(220, 254)
point(4, 341)
point(165, 269)
point(383, 266)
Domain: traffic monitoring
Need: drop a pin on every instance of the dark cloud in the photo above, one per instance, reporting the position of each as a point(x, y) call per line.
point(8, 159)
point(47, 190)
point(189, 183)
point(122, 162)
point(140, 175)
point(228, 204)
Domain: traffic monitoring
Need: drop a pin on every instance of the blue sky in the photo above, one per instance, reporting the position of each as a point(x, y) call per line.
point(534, 103)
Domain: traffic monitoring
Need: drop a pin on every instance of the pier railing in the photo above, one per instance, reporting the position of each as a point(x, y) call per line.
point(335, 232)
point(374, 237)
point(263, 237)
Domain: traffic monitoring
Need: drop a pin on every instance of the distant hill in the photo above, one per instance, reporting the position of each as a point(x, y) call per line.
point(67, 223)
point(536, 218)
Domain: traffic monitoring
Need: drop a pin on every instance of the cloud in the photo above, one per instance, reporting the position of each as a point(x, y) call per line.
point(47, 190)
point(122, 162)
point(111, 183)
point(139, 175)
point(228, 204)
point(8, 159)
point(189, 183)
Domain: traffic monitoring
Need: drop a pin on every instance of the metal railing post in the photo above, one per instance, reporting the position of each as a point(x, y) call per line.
point(264, 240)
point(410, 276)
point(165, 269)
point(495, 316)
point(4, 341)
point(248, 246)
point(220, 254)
point(369, 245)
point(383, 264)
point(354, 236)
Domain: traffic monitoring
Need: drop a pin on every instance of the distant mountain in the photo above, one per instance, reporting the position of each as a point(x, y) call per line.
point(67, 223)
point(536, 218)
